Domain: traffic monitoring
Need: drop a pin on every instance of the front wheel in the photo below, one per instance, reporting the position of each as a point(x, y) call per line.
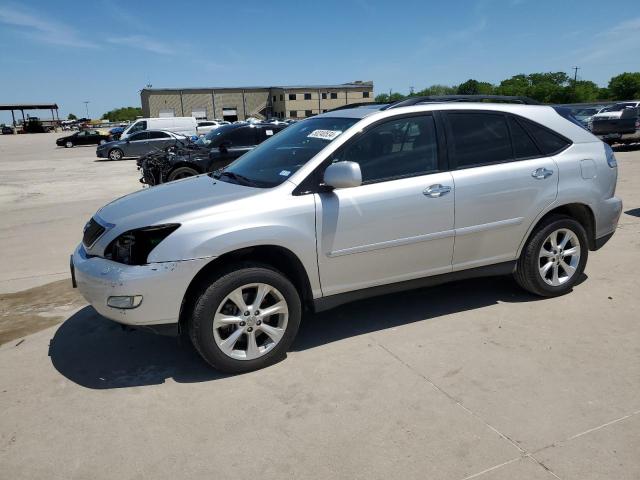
point(181, 172)
point(245, 319)
point(68, 144)
point(103, 141)
point(116, 154)
point(554, 258)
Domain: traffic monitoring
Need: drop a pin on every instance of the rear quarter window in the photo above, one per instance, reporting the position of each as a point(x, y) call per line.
point(547, 141)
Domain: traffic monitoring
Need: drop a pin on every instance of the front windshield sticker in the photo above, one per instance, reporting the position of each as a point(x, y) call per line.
point(285, 173)
point(325, 134)
point(269, 132)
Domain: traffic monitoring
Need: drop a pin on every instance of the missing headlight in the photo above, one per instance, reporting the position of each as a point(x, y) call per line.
point(133, 247)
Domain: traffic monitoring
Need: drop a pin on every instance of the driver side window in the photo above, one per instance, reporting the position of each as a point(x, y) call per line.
point(403, 147)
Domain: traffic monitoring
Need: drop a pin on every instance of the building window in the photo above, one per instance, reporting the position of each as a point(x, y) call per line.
point(293, 114)
point(274, 98)
point(292, 96)
point(365, 94)
point(308, 113)
point(281, 98)
point(334, 96)
point(307, 96)
point(324, 96)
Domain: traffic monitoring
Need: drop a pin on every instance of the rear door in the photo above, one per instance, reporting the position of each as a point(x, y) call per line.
point(503, 178)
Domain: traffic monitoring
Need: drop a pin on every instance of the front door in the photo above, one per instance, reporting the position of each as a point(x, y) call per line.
point(398, 225)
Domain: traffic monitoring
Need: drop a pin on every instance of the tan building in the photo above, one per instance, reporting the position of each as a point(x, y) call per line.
point(229, 103)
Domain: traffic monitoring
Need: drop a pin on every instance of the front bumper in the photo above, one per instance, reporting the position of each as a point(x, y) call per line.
point(162, 286)
point(101, 153)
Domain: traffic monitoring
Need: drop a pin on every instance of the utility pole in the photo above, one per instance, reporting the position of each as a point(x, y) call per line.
point(575, 74)
point(411, 89)
point(86, 106)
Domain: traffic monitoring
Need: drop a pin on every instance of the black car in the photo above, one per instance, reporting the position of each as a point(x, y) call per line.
point(7, 130)
point(84, 137)
point(209, 153)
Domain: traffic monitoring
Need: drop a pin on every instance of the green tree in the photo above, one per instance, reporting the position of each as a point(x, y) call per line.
point(386, 98)
point(71, 116)
point(625, 86)
point(474, 87)
point(123, 114)
point(438, 90)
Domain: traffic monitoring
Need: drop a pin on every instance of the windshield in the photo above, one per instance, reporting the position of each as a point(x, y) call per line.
point(618, 107)
point(275, 160)
point(209, 140)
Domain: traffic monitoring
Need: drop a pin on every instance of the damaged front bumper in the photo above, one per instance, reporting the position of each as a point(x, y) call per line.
point(162, 287)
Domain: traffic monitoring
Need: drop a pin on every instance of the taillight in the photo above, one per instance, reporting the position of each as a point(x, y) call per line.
point(611, 158)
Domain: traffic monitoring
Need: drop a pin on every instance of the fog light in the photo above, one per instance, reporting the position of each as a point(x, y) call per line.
point(129, 301)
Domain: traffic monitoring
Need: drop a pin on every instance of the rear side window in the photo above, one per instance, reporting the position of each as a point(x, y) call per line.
point(156, 135)
point(523, 145)
point(398, 148)
point(478, 138)
point(549, 142)
point(243, 136)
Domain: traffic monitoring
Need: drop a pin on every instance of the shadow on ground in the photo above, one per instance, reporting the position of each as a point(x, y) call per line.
point(99, 354)
point(634, 212)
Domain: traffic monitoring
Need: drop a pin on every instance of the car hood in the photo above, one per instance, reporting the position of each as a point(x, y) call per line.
point(174, 202)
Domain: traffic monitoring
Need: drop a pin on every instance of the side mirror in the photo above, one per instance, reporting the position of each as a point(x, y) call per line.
point(343, 175)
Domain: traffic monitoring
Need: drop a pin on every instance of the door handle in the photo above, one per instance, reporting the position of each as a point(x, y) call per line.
point(437, 190)
point(541, 173)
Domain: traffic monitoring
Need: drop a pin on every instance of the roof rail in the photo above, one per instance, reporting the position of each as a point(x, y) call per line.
point(356, 105)
point(462, 98)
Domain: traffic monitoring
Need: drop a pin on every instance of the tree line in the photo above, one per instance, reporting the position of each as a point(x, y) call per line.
point(550, 87)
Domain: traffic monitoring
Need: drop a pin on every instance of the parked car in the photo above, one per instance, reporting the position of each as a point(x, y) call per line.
point(205, 126)
point(183, 125)
point(623, 128)
point(83, 137)
point(584, 114)
point(115, 133)
point(139, 144)
point(347, 205)
point(215, 150)
point(7, 130)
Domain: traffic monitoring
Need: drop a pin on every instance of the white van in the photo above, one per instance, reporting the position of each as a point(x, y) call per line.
point(184, 125)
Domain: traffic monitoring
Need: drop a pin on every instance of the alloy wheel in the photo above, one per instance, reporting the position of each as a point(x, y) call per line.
point(559, 257)
point(250, 321)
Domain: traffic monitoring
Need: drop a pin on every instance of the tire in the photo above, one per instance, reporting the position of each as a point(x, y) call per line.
point(116, 154)
point(210, 335)
point(103, 141)
point(561, 271)
point(68, 144)
point(182, 172)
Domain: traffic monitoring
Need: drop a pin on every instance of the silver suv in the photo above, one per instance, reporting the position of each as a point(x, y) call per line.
point(346, 205)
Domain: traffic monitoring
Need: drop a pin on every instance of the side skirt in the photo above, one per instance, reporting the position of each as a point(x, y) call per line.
point(332, 301)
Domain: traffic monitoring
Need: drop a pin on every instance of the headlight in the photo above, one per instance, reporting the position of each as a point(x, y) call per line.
point(133, 247)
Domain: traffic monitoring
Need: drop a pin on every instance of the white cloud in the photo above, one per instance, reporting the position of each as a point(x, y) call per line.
point(143, 42)
point(622, 39)
point(40, 29)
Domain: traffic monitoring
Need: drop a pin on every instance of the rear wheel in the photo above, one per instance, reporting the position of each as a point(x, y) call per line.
point(182, 172)
point(116, 154)
point(554, 258)
point(245, 319)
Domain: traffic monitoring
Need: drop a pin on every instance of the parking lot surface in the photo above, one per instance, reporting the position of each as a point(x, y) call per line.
point(473, 379)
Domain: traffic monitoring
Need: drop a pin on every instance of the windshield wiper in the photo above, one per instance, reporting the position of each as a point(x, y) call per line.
point(234, 176)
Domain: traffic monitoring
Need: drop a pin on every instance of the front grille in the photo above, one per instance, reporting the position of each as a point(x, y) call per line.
point(92, 232)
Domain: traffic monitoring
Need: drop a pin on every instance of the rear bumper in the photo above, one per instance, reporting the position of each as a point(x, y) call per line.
point(607, 216)
point(162, 286)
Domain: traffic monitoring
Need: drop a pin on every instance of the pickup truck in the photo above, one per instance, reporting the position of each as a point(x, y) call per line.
point(617, 124)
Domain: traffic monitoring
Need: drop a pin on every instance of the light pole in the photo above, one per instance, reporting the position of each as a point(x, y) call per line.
point(86, 105)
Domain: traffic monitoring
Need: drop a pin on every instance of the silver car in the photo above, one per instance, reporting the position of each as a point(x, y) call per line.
point(346, 205)
point(139, 144)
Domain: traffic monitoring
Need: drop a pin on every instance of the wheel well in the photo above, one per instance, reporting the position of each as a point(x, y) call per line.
point(280, 258)
point(581, 213)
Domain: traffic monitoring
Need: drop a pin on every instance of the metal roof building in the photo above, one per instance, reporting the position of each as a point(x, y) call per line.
point(239, 103)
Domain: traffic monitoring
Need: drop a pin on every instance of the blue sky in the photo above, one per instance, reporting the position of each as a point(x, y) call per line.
point(105, 51)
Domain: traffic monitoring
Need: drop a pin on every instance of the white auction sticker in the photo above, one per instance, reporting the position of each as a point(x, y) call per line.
point(325, 134)
point(269, 132)
point(285, 173)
